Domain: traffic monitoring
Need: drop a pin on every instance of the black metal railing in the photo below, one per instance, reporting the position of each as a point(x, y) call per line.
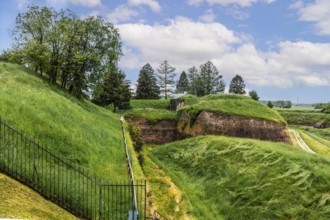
point(158, 216)
point(52, 176)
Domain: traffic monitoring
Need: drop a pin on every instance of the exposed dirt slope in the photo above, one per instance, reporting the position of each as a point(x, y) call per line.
point(211, 123)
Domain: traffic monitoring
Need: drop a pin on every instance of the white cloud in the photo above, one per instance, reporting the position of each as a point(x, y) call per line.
point(121, 13)
point(317, 12)
point(182, 42)
point(242, 3)
point(88, 3)
point(186, 43)
point(153, 4)
point(208, 17)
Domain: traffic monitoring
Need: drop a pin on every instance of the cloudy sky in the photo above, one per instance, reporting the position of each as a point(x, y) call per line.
point(281, 48)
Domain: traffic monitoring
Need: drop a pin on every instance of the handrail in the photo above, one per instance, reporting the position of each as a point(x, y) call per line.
point(130, 170)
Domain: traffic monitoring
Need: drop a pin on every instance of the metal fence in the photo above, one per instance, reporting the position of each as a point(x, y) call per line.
point(53, 177)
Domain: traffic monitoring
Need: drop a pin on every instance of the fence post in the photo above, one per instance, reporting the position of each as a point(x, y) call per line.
point(100, 205)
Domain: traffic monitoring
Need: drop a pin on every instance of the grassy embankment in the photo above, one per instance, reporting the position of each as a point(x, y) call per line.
point(83, 133)
point(19, 201)
point(304, 116)
point(237, 105)
point(232, 178)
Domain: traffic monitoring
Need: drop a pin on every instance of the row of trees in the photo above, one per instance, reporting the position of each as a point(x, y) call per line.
point(80, 55)
point(203, 81)
point(280, 104)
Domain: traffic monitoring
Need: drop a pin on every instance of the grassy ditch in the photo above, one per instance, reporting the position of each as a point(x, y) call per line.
point(232, 178)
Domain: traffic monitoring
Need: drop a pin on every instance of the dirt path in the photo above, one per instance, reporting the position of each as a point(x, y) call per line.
point(301, 142)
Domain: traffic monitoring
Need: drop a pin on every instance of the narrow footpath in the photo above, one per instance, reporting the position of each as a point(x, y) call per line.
point(301, 142)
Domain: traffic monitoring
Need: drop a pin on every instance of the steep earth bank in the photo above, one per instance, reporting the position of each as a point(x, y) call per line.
point(155, 133)
point(229, 125)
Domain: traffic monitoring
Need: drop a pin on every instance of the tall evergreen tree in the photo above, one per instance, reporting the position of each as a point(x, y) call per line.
point(147, 87)
point(115, 91)
point(166, 78)
point(195, 84)
point(237, 85)
point(182, 85)
point(206, 81)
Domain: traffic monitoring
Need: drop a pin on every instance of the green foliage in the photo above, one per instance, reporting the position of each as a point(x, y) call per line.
point(135, 133)
point(147, 87)
point(282, 104)
point(205, 81)
point(254, 95)
point(232, 105)
point(156, 104)
point(151, 115)
point(189, 99)
point(237, 85)
point(270, 104)
point(232, 178)
point(76, 53)
point(115, 91)
point(303, 117)
point(83, 133)
point(166, 78)
point(182, 85)
point(21, 202)
point(326, 108)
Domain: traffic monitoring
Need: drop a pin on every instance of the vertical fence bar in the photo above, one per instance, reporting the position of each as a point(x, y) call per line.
point(100, 208)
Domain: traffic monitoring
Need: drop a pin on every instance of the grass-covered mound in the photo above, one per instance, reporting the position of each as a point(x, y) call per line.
point(150, 103)
point(151, 115)
point(83, 133)
point(232, 178)
point(20, 202)
point(237, 105)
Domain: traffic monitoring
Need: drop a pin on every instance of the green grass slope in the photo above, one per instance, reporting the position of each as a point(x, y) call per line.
point(83, 133)
point(232, 178)
point(237, 105)
point(150, 103)
point(20, 202)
